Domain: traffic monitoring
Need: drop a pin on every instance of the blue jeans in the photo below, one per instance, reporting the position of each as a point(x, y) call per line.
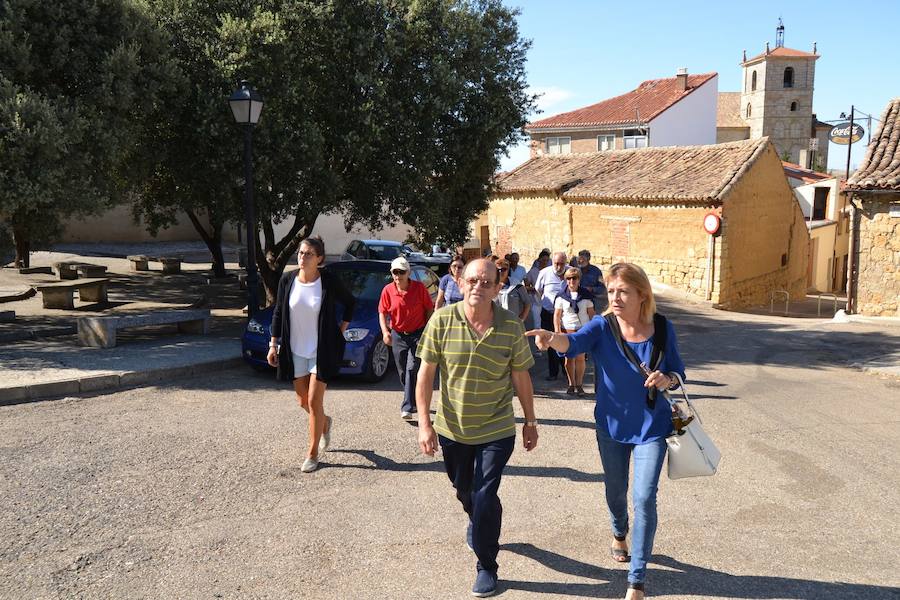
point(475, 471)
point(648, 459)
point(404, 346)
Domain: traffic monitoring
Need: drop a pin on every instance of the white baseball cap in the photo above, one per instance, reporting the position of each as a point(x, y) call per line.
point(400, 263)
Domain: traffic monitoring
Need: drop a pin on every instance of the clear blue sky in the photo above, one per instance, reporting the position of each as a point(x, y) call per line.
point(585, 51)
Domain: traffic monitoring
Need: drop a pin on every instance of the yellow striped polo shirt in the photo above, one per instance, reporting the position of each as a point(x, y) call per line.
point(476, 385)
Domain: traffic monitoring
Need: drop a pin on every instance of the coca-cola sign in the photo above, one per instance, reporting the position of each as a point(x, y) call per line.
point(840, 133)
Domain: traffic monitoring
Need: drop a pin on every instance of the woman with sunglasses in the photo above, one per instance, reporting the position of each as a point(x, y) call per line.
point(513, 298)
point(448, 288)
point(307, 345)
point(573, 308)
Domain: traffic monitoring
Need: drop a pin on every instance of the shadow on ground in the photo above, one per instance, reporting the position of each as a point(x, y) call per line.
point(680, 579)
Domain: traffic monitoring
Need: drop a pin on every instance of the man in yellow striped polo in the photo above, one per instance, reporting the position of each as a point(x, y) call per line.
point(483, 356)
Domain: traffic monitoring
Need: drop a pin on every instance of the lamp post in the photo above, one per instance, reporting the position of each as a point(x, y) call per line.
point(246, 106)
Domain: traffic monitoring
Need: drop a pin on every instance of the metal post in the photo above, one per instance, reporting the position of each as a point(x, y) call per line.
point(850, 140)
point(852, 257)
point(250, 223)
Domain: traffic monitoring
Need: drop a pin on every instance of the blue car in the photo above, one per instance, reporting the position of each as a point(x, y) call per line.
point(365, 354)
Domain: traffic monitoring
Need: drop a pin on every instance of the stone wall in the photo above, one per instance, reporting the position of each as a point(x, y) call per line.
point(878, 288)
point(666, 240)
point(765, 242)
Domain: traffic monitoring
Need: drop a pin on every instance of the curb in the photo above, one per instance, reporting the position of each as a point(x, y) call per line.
point(109, 381)
point(33, 334)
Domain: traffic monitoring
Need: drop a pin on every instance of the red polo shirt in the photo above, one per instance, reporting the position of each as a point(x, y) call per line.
point(406, 309)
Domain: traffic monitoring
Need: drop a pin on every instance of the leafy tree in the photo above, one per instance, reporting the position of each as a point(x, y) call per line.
point(382, 110)
point(198, 162)
point(79, 83)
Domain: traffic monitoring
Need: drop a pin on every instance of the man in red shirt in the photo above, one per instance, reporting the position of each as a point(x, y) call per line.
point(408, 305)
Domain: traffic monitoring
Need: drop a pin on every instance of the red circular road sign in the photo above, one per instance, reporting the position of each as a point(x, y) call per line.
point(711, 223)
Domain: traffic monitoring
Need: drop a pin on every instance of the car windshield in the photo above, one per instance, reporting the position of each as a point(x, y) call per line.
point(364, 285)
point(379, 252)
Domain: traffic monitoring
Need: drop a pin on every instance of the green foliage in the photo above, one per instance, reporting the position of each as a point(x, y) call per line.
point(79, 88)
point(380, 110)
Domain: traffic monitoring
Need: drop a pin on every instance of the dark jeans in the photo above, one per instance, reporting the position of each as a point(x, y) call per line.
point(404, 347)
point(475, 471)
point(553, 358)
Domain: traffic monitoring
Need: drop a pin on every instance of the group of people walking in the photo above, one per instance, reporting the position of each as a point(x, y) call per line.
point(474, 337)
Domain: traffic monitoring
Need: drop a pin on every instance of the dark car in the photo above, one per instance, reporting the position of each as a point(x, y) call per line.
point(365, 354)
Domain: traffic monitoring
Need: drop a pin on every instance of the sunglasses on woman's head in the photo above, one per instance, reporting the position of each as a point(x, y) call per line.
point(572, 278)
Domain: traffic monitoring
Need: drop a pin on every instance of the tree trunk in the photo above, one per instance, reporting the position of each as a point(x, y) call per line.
point(212, 240)
point(23, 247)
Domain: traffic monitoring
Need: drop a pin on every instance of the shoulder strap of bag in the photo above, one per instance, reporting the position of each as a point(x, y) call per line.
point(659, 344)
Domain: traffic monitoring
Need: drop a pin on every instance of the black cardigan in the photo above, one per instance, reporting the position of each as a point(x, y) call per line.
point(330, 345)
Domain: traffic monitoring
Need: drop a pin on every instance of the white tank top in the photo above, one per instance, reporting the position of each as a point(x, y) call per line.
point(304, 303)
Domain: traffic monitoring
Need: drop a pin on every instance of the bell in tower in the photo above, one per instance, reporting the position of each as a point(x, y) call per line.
point(779, 34)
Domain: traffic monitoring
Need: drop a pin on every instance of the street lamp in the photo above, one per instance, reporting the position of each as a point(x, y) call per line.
point(246, 106)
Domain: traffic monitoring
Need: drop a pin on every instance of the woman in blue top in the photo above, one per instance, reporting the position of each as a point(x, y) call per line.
point(448, 290)
point(628, 422)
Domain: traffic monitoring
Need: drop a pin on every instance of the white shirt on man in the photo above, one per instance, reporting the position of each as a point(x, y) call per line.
point(517, 275)
point(547, 286)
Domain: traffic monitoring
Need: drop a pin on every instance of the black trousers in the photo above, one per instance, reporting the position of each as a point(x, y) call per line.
point(553, 359)
point(475, 471)
point(404, 346)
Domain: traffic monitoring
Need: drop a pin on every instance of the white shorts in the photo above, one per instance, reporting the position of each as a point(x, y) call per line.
point(303, 366)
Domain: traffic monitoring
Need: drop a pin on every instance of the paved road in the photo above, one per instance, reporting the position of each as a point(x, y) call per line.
point(194, 490)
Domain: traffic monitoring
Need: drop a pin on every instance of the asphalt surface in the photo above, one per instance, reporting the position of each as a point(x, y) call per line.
point(193, 489)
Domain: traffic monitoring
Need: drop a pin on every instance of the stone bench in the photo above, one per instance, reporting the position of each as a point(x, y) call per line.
point(100, 332)
point(71, 270)
point(62, 294)
point(170, 264)
point(139, 262)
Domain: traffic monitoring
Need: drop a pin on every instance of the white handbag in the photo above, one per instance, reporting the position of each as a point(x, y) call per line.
point(691, 452)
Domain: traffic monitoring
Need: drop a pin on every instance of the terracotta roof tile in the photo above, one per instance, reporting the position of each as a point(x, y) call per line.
point(782, 52)
point(683, 173)
point(648, 100)
point(728, 110)
point(880, 169)
point(806, 175)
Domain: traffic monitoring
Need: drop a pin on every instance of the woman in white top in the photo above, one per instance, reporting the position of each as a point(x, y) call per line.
point(307, 345)
point(573, 308)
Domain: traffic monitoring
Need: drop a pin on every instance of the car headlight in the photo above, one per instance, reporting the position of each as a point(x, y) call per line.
point(355, 334)
point(255, 326)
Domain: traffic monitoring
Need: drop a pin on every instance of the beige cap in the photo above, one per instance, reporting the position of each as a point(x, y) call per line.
point(400, 263)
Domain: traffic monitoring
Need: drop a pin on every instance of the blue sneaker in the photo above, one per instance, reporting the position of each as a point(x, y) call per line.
point(485, 584)
point(469, 537)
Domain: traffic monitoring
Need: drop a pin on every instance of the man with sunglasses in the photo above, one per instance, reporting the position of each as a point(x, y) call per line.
point(482, 354)
point(408, 305)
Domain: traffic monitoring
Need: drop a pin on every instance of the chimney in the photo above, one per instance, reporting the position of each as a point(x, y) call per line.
point(767, 47)
point(681, 77)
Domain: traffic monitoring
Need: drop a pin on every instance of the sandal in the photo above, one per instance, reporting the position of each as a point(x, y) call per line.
point(620, 555)
point(571, 390)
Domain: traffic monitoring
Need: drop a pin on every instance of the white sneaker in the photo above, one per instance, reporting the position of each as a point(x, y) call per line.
point(406, 415)
point(309, 465)
point(325, 440)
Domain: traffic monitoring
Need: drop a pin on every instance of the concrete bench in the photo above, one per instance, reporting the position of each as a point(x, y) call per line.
point(71, 270)
point(7, 316)
point(66, 269)
point(62, 294)
point(100, 332)
point(139, 262)
point(170, 264)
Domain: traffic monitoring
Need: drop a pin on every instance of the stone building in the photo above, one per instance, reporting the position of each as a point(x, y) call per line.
point(874, 192)
point(776, 101)
point(647, 206)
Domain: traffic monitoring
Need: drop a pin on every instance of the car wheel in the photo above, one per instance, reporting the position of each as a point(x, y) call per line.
point(379, 362)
